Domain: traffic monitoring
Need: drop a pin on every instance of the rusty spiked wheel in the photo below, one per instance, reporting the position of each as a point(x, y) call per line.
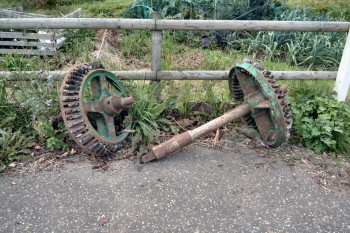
point(273, 121)
point(94, 104)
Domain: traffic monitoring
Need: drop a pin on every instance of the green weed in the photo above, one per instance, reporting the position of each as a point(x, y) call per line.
point(78, 46)
point(25, 111)
point(13, 146)
point(183, 103)
point(321, 123)
point(12, 115)
point(199, 9)
point(40, 97)
point(107, 8)
point(220, 60)
point(136, 44)
point(14, 128)
point(311, 50)
point(19, 63)
point(53, 139)
point(147, 117)
point(335, 8)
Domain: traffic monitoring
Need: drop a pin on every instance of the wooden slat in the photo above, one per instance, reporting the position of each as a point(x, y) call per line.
point(53, 35)
point(22, 35)
point(26, 43)
point(27, 52)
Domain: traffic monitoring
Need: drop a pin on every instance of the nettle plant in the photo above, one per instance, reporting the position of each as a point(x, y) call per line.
point(322, 124)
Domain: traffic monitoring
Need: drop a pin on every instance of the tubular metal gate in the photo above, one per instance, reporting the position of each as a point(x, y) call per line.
point(158, 25)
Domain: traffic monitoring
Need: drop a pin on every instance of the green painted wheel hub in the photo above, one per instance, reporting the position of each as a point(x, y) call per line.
point(98, 89)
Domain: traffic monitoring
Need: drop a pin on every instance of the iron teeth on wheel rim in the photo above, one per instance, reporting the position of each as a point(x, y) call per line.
point(73, 116)
point(280, 93)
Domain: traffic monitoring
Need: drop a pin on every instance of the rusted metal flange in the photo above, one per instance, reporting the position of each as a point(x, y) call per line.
point(93, 105)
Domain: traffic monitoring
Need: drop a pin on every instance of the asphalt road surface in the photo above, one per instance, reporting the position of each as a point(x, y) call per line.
point(198, 190)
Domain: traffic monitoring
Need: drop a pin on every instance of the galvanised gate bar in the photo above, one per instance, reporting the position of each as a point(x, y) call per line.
point(157, 25)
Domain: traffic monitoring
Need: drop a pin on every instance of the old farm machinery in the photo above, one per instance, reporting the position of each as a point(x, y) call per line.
point(94, 104)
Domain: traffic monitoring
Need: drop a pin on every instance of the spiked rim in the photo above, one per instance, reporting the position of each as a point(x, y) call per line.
point(273, 121)
point(75, 118)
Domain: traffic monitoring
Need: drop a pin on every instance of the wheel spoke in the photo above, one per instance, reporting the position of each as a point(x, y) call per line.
point(102, 127)
point(110, 126)
point(104, 85)
point(96, 88)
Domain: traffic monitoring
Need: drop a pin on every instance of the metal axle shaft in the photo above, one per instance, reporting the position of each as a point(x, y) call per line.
point(115, 104)
point(184, 139)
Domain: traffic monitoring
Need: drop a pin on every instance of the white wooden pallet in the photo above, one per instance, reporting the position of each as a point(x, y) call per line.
point(33, 42)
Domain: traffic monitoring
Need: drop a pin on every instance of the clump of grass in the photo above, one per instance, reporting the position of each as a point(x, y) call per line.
point(13, 145)
point(96, 8)
point(25, 111)
point(43, 4)
point(42, 99)
point(13, 116)
point(184, 100)
point(335, 8)
point(52, 139)
point(147, 117)
point(14, 129)
point(78, 46)
point(220, 60)
point(216, 95)
point(106, 8)
point(136, 44)
point(311, 50)
point(199, 9)
point(19, 63)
